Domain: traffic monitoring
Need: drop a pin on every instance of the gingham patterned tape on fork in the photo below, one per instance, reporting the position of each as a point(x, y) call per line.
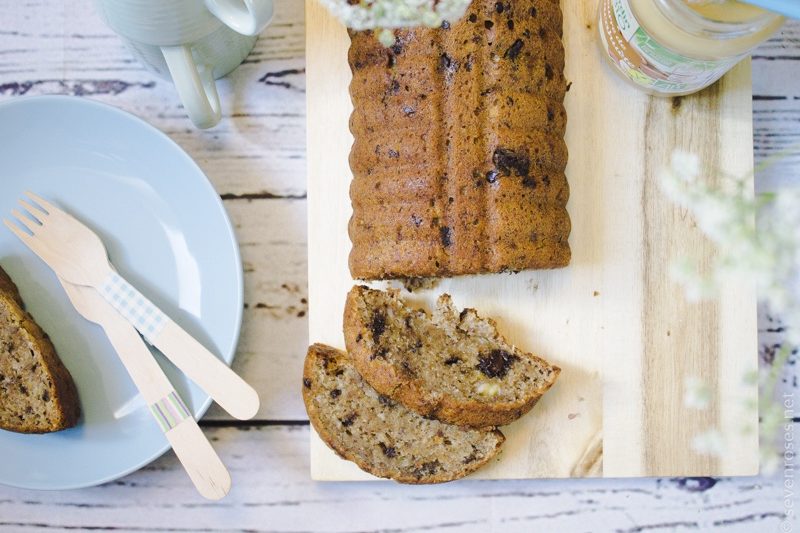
point(131, 304)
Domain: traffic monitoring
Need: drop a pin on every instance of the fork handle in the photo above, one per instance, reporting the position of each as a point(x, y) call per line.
point(201, 462)
point(230, 391)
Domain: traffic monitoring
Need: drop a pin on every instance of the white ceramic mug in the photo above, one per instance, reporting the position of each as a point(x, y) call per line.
point(193, 42)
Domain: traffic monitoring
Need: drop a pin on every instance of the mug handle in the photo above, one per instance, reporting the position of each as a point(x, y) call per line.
point(247, 17)
point(196, 87)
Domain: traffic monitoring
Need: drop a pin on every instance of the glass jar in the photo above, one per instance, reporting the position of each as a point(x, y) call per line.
point(677, 47)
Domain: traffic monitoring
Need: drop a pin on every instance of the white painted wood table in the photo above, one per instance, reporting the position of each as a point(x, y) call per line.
point(256, 160)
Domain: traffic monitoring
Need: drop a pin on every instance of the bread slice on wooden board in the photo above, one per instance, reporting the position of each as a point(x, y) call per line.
point(37, 394)
point(450, 365)
point(381, 436)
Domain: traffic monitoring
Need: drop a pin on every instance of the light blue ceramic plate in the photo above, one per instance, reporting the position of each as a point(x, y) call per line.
point(790, 8)
point(166, 230)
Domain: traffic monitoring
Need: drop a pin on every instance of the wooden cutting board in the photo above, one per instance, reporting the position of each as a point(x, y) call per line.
point(614, 321)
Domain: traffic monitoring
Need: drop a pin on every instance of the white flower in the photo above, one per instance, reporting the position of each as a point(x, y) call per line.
point(685, 165)
point(766, 253)
point(386, 37)
point(709, 442)
point(377, 14)
point(684, 271)
point(770, 461)
point(696, 394)
point(758, 241)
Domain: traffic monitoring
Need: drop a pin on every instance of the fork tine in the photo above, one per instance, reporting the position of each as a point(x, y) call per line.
point(42, 202)
point(24, 237)
point(25, 221)
point(33, 210)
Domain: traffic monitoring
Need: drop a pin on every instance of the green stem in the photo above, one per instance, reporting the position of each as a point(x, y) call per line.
point(774, 158)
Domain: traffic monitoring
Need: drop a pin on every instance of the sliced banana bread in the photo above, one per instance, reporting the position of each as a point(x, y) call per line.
point(383, 437)
point(459, 156)
point(37, 394)
point(452, 366)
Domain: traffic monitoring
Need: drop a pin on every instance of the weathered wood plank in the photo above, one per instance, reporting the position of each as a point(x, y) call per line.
point(272, 240)
point(272, 492)
point(776, 105)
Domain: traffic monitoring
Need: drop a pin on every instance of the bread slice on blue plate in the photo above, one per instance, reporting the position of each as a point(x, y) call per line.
point(37, 393)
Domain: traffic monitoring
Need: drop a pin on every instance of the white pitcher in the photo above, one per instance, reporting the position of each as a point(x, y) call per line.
point(192, 42)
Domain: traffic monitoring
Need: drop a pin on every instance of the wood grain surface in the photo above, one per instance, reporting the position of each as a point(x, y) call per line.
point(256, 161)
point(614, 320)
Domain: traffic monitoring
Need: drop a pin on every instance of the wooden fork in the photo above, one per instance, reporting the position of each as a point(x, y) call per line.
point(77, 255)
point(195, 453)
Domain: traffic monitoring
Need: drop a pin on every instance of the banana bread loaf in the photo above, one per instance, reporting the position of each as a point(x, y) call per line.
point(459, 153)
point(453, 366)
point(383, 437)
point(37, 394)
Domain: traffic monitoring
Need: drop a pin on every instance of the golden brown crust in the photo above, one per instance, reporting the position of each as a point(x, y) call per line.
point(8, 287)
point(458, 157)
point(62, 390)
point(412, 391)
point(320, 354)
point(480, 414)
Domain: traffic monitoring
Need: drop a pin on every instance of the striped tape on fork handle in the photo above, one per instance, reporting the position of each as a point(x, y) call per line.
point(170, 411)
